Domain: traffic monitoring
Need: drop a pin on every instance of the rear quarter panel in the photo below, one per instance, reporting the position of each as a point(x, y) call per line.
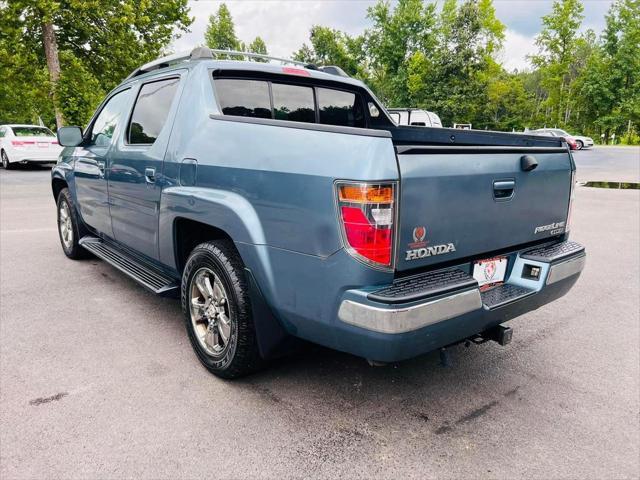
point(271, 189)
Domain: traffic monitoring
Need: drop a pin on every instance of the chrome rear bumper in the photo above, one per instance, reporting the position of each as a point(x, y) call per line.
point(406, 319)
point(358, 310)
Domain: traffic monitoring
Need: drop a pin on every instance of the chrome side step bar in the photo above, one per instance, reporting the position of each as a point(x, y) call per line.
point(132, 265)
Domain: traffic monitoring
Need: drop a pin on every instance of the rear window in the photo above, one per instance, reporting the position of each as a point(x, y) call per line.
point(32, 132)
point(340, 108)
point(244, 98)
point(294, 103)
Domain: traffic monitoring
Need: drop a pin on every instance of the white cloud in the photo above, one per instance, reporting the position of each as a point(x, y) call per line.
point(283, 25)
point(515, 51)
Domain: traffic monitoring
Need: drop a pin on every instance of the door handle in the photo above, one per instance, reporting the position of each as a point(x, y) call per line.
point(101, 166)
point(503, 189)
point(150, 175)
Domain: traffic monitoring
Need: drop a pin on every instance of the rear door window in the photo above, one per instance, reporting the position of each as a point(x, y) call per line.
point(151, 111)
point(294, 103)
point(244, 98)
point(340, 108)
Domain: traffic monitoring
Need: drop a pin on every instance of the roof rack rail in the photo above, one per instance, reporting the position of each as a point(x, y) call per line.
point(163, 62)
point(236, 53)
point(207, 53)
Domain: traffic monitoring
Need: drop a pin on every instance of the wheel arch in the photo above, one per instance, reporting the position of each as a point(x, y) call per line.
point(57, 185)
point(189, 233)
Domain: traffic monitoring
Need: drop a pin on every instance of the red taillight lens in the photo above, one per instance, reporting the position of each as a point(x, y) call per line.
point(367, 216)
point(22, 143)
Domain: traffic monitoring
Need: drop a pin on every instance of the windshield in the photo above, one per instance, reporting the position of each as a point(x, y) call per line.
point(32, 132)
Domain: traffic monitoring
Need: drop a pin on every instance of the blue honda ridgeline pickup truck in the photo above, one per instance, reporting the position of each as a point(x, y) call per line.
point(282, 202)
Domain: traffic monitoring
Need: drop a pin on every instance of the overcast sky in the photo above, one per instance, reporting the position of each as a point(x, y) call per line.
point(284, 24)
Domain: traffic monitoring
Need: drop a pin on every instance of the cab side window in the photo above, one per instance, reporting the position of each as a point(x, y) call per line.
point(2, 132)
point(244, 98)
point(151, 111)
point(107, 120)
point(340, 108)
point(294, 103)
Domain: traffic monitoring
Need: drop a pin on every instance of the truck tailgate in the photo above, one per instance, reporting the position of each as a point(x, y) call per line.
point(462, 204)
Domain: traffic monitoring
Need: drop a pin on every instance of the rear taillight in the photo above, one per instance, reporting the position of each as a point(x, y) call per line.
point(567, 227)
point(367, 217)
point(22, 143)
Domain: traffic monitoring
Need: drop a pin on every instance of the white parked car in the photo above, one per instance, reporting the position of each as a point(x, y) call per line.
point(27, 144)
point(415, 116)
point(581, 142)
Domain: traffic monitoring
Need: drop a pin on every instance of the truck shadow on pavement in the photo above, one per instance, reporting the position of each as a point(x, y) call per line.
point(344, 395)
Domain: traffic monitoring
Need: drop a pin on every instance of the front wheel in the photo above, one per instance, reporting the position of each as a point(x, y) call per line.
point(69, 227)
point(579, 144)
point(217, 310)
point(5, 161)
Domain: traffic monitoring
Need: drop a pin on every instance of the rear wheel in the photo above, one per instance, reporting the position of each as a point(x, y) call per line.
point(5, 161)
point(70, 229)
point(217, 310)
point(580, 144)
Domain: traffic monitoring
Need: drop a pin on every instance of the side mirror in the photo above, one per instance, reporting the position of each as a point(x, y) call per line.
point(69, 136)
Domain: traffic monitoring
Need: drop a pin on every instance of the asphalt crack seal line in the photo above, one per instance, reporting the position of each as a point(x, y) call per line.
point(52, 398)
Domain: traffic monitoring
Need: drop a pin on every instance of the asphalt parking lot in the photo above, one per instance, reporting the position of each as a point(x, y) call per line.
point(98, 380)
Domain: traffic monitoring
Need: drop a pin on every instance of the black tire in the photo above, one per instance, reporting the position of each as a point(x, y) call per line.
point(579, 144)
point(5, 161)
point(71, 249)
point(240, 355)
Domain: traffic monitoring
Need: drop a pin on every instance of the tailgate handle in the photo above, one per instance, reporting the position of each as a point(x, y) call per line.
point(503, 189)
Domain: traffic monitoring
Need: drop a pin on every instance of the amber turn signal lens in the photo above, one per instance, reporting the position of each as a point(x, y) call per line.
point(366, 193)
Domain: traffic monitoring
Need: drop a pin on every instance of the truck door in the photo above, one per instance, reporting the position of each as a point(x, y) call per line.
point(91, 163)
point(136, 165)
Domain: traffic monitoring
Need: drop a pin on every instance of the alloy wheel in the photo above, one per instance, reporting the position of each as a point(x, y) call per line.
point(65, 225)
point(211, 316)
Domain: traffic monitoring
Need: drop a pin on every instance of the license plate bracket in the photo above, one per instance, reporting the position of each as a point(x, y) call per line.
point(490, 271)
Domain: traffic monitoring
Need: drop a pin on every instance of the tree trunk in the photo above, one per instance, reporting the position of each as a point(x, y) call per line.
point(53, 65)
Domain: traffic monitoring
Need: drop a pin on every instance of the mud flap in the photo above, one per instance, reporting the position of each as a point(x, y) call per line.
point(273, 340)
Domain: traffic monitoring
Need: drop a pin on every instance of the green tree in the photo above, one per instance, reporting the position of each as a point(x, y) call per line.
point(453, 78)
point(333, 47)
point(557, 44)
point(397, 35)
point(86, 48)
point(258, 46)
point(220, 33)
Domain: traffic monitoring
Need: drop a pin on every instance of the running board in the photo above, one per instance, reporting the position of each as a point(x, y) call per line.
point(132, 265)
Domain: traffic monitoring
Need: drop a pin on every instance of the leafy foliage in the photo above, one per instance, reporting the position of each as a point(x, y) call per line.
point(416, 54)
point(220, 33)
point(446, 61)
point(99, 43)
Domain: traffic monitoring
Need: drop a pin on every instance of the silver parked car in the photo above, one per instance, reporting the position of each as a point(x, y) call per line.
point(581, 141)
